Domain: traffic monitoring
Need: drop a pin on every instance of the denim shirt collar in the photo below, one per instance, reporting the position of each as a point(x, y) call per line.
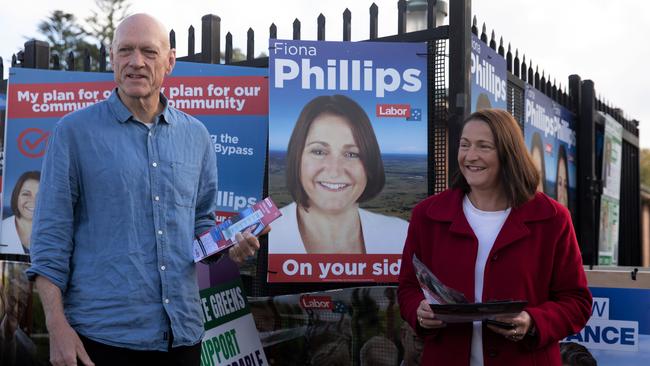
point(123, 114)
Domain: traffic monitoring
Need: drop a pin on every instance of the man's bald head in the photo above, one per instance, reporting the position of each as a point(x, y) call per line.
point(141, 58)
point(139, 22)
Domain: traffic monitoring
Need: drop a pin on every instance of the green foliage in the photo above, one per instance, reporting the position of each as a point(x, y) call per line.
point(645, 167)
point(102, 22)
point(64, 35)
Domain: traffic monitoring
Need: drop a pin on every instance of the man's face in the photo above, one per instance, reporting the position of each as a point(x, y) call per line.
point(141, 58)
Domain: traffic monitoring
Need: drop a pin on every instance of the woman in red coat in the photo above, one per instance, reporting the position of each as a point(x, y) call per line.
point(493, 237)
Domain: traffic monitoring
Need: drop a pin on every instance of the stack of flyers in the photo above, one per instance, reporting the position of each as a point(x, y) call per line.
point(252, 219)
point(435, 291)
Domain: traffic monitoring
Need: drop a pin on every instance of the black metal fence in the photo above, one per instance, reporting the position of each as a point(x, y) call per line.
point(448, 105)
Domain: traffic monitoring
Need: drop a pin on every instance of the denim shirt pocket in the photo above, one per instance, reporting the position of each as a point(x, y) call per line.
point(186, 182)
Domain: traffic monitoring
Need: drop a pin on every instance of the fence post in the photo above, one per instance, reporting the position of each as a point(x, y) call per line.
point(191, 41)
point(374, 21)
point(432, 10)
point(401, 17)
point(172, 39)
point(320, 25)
point(102, 58)
point(296, 29)
point(347, 25)
point(273, 31)
point(37, 55)
point(210, 39)
point(228, 56)
point(459, 76)
point(582, 95)
point(86, 60)
point(250, 45)
point(70, 61)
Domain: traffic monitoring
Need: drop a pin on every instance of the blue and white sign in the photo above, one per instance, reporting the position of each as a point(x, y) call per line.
point(549, 131)
point(618, 333)
point(232, 102)
point(489, 77)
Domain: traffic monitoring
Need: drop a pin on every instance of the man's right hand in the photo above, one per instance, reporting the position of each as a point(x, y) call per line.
point(65, 345)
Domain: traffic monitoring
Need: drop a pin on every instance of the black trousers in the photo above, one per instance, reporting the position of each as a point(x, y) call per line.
point(105, 355)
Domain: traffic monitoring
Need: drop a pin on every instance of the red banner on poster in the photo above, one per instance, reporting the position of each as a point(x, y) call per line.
point(334, 267)
point(215, 95)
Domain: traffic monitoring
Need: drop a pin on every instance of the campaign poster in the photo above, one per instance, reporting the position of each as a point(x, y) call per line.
point(232, 102)
point(489, 78)
point(618, 332)
point(550, 134)
point(231, 337)
point(610, 200)
point(347, 157)
point(3, 107)
point(353, 326)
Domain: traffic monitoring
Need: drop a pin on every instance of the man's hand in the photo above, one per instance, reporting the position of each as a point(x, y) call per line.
point(247, 245)
point(65, 345)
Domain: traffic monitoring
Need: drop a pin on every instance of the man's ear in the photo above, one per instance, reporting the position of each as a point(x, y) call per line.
point(171, 60)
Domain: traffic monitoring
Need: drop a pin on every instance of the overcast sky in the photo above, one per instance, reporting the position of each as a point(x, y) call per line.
point(601, 40)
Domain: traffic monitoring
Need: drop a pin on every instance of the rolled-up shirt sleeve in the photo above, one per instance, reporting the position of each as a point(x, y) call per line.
point(206, 196)
point(53, 225)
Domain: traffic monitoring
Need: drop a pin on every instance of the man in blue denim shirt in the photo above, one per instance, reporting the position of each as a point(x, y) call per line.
point(126, 184)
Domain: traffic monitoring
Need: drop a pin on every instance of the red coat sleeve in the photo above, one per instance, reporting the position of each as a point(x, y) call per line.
point(409, 293)
point(569, 304)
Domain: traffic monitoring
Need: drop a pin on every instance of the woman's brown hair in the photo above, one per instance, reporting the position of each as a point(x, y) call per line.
point(518, 174)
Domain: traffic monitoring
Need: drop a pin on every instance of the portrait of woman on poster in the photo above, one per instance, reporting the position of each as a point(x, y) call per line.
point(334, 164)
point(17, 229)
point(562, 177)
point(537, 154)
point(493, 237)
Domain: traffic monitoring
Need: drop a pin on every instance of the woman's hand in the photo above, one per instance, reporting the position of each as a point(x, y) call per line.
point(426, 317)
point(522, 324)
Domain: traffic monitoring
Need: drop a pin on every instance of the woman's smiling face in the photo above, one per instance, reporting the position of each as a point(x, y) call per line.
point(477, 156)
point(331, 171)
point(27, 198)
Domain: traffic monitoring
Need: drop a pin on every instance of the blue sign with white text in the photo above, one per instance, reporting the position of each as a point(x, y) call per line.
point(232, 102)
point(550, 134)
point(618, 332)
point(489, 77)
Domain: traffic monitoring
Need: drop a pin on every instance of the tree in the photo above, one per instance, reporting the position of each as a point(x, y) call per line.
point(64, 35)
point(102, 22)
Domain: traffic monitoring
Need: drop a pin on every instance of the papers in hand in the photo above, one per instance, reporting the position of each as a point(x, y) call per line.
point(252, 219)
point(451, 306)
point(435, 291)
